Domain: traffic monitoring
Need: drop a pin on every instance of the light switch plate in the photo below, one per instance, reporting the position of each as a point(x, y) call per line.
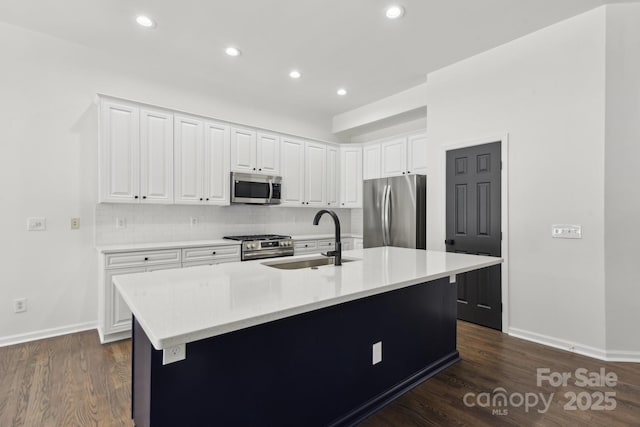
point(36, 224)
point(121, 222)
point(75, 223)
point(566, 231)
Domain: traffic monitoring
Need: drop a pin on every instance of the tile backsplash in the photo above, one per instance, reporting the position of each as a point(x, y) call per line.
point(356, 221)
point(160, 223)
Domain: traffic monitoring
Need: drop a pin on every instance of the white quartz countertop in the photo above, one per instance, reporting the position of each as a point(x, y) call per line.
point(126, 247)
point(183, 305)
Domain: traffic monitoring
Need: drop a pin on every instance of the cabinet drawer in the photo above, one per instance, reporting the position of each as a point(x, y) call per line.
point(211, 253)
point(326, 244)
point(305, 245)
point(143, 258)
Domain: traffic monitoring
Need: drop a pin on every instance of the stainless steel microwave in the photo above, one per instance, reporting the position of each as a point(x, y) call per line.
point(255, 189)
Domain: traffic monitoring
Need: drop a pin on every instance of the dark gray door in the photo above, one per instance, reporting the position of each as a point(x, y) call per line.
point(473, 227)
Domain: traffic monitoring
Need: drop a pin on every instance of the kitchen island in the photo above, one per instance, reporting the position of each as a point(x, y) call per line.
point(267, 346)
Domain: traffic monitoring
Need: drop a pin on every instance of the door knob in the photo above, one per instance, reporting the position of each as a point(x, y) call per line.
point(449, 242)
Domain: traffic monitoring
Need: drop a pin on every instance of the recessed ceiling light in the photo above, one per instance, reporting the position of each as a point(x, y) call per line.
point(341, 92)
point(394, 12)
point(145, 21)
point(295, 74)
point(232, 51)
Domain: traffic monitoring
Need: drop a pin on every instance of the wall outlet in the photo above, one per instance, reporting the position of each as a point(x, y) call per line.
point(174, 354)
point(376, 353)
point(193, 221)
point(75, 223)
point(121, 222)
point(19, 305)
point(36, 224)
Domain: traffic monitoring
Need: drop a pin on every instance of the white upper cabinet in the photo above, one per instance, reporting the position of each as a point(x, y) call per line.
point(255, 152)
point(394, 157)
point(293, 172)
point(243, 150)
point(156, 156)
point(333, 176)
point(351, 177)
point(188, 155)
point(315, 174)
point(399, 156)
point(136, 154)
point(417, 154)
point(216, 163)
point(201, 161)
point(304, 172)
point(371, 160)
point(268, 154)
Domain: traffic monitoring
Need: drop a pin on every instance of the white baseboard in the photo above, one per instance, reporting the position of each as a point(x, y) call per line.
point(585, 350)
point(46, 333)
point(623, 356)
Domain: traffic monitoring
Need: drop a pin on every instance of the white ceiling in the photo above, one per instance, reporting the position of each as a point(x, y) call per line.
point(333, 43)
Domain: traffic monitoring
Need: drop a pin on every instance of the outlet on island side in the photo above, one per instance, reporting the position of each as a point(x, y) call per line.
point(174, 354)
point(376, 353)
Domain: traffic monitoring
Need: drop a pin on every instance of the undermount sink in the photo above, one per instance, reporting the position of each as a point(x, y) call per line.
point(305, 263)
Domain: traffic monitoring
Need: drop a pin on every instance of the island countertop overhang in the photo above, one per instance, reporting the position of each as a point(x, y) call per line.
point(185, 305)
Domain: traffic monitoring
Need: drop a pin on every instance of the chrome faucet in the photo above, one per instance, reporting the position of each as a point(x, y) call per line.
point(338, 249)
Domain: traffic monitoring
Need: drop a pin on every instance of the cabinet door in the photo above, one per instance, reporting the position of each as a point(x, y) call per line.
point(156, 156)
point(117, 314)
point(351, 177)
point(333, 173)
point(417, 154)
point(216, 163)
point(371, 160)
point(119, 152)
point(292, 166)
point(268, 154)
point(315, 174)
point(394, 157)
point(189, 164)
point(243, 150)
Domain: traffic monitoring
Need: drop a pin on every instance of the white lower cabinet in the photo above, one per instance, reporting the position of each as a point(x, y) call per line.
point(114, 317)
point(316, 246)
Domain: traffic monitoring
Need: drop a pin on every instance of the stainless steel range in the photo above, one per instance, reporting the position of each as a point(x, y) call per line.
point(261, 246)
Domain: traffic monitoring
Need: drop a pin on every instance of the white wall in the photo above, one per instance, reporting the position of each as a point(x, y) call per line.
point(48, 168)
point(622, 175)
point(547, 91)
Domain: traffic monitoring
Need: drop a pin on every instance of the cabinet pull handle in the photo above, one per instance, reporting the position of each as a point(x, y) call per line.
point(213, 253)
point(200, 198)
point(146, 258)
point(408, 171)
point(403, 173)
point(135, 197)
point(207, 199)
point(144, 197)
point(260, 169)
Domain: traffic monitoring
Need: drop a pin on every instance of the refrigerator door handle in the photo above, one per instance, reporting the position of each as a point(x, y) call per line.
point(386, 215)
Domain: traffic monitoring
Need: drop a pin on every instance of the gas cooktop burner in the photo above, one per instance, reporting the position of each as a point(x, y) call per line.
point(258, 237)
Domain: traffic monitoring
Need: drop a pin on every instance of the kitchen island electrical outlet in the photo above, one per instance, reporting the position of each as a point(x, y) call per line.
point(121, 223)
point(36, 224)
point(75, 223)
point(174, 354)
point(566, 231)
point(376, 353)
point(19, 305)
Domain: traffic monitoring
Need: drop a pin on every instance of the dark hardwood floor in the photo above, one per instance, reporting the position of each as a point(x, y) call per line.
point(75, 381)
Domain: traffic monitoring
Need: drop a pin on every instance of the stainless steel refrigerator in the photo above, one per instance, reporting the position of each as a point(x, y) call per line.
point(395, 212)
